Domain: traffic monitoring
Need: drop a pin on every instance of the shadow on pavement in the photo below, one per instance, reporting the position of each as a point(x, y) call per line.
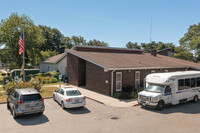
point(188, 108)
point(32, 119)
point(81, 110)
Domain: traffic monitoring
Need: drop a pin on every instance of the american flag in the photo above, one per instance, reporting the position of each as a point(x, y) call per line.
point(21, 43)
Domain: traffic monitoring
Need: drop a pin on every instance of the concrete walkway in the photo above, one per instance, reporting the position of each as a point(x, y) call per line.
point(107, 100)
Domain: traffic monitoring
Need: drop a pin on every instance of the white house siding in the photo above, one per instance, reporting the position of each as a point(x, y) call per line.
point(61, 66)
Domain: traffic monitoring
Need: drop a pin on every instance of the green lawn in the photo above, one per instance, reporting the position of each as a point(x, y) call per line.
point(48, 91)
point(1, 88)
point(3, 97)
point(53, 84)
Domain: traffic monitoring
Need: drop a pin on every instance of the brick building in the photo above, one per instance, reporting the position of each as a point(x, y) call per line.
point(106, 70)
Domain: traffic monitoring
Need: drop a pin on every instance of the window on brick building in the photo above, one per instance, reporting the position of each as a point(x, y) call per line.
point(118, 81)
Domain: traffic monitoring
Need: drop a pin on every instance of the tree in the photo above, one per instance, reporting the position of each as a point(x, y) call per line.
point(191, 40)
point(95, 42)
point(53, 39)
point(162, 45)
point(10, 31)
point(182, 53)
point(48, 54)
point(147, 47)
point(133, 45)
point(78, 40)
point(67, 42)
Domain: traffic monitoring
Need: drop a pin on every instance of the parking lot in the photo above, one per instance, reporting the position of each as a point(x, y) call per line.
point(98, 118)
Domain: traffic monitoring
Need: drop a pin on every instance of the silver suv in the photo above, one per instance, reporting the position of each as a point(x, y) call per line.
point(25, 101)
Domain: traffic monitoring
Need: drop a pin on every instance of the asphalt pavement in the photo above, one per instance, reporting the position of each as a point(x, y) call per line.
point(99, 118)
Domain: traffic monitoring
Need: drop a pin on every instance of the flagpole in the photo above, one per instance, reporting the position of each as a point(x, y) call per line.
point(23, 61)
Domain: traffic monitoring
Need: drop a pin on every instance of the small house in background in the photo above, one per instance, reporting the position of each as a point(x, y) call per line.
point(58, 62)
point(166, 52)
point(106, 70)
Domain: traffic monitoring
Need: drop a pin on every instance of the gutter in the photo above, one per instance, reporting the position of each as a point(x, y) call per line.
point(112, 82)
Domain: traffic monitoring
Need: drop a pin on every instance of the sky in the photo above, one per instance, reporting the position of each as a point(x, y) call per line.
point(113, 21)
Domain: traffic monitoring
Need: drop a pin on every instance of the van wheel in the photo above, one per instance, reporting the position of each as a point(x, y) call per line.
point(160, 105)
point(195, 99)
point(14, 113)
point(62, 105)
point(8, 106)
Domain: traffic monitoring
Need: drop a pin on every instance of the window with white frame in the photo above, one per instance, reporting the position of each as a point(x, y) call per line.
point(166, 71)
point(137, 78)
point(118, 81)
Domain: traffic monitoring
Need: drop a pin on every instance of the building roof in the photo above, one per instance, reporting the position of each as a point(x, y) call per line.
point(55, 59)
point(120, 61)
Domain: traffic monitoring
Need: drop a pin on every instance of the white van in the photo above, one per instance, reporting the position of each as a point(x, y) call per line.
point(170, 88)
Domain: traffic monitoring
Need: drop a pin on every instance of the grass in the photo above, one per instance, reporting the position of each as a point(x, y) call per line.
point(45, 92)
point(48, 91)
point(1, 88)
point(3, 97)
point(53, 84)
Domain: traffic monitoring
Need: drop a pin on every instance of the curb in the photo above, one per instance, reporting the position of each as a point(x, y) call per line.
point(2, 102)
point(95, 100)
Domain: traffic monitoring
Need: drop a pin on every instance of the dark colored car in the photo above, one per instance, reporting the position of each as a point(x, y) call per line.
point(25, 101)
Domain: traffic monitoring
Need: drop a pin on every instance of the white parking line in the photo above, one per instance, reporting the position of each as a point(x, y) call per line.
point(51, 107)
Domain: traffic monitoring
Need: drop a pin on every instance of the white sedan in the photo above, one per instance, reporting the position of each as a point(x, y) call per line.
point(69, 97)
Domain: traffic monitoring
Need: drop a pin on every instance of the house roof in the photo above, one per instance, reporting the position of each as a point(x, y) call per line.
point(120, 61)
point(55, 59)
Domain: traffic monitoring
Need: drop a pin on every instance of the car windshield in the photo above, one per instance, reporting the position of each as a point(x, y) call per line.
point(31, 97)
point(73, 93)
point(155, 88)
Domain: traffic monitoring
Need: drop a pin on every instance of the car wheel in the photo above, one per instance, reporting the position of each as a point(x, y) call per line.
point(62, 105)
point(54, 98)
point(8, 106)
point(14, 113)
point(40, 113)
point(160, 105)
point(195, 99)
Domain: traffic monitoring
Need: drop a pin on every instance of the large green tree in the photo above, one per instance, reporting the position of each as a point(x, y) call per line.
point(133, 45)
point(182, 53)
point(10, 31)
point(191, 40)
point(53, 39)
point(95, 42)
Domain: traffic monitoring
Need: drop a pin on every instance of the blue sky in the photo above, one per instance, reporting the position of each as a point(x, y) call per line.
point(113, 21)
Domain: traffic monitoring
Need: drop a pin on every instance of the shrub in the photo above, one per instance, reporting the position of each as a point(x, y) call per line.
point(10, 86)
point(127, 88)
point(8, 74)
point(3, 74)
point(52, 73)
point(36, 84)
point(125, 95)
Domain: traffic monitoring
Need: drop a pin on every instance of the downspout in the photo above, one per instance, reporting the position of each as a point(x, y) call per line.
point(112, 82)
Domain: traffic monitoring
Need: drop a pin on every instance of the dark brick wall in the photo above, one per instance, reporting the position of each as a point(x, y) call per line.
point(81, 72)
point(72, 69)
point(128, 76)
point(96, 77)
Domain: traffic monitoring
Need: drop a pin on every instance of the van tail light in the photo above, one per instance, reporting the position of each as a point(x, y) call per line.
point(84, 98)
point(69, 100)
point(20, 102)
point(41, 99)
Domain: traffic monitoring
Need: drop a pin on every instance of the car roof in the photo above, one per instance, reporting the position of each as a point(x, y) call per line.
point(27, 91)
point(69, 88)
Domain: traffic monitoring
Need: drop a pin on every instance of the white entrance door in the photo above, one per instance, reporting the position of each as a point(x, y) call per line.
point(118, 81)
point(137, 78)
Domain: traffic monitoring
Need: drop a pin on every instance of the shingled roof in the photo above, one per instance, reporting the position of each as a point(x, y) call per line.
point(55, 59)
point(118, 60)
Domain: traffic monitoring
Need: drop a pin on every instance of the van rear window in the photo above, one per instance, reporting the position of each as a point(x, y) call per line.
point(31, 97)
